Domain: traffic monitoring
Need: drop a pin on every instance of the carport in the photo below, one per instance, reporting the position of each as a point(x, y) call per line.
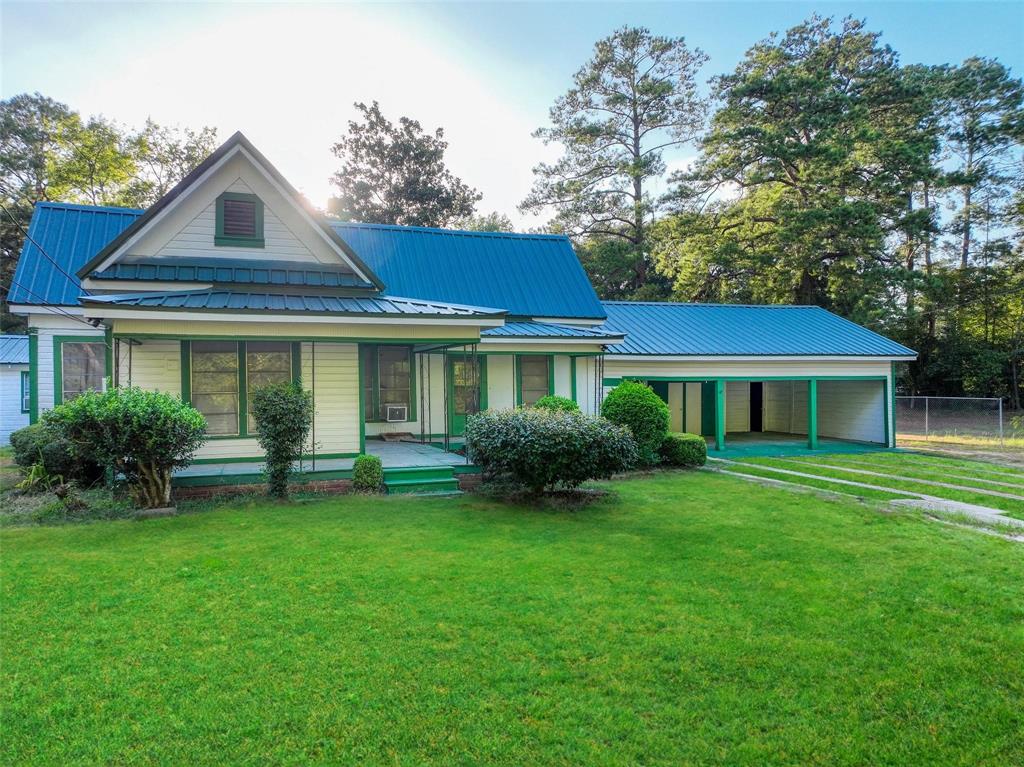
point(778, 410)
point(781, 375)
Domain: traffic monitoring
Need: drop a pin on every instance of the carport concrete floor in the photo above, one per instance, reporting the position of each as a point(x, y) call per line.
point(775, 444)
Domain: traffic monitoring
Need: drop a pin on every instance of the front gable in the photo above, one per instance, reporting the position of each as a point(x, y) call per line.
point(206, 216)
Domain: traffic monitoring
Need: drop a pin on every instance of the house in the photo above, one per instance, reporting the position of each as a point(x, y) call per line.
point(231, 281)
point(14, 385)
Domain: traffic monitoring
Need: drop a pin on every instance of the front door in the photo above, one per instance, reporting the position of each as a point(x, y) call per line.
point(467, 391)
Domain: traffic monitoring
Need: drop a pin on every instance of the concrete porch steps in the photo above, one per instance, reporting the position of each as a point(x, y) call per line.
point(420, 479)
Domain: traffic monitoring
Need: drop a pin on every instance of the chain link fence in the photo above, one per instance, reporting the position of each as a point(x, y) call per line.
point(952, 419)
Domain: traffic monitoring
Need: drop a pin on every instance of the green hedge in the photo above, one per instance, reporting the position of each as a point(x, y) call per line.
point(368, 474)
point(284, 416)
point(636, 406)
point(545, 449)
point(554, 402)
point(40, 444)
point(684, 450)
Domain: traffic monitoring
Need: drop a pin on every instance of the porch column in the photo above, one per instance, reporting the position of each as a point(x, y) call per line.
point(812, 414)
point(719, 414)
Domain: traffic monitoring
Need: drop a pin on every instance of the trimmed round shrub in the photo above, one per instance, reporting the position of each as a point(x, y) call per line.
point(284, 416)
point(543, 449)
point(636, 406)
point(681, 449)
point(39, 444)
point(139, 434)
point(368, 474)
point(554, 402)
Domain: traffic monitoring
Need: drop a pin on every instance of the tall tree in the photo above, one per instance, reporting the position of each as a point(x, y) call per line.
point(395, 174)
point(163, 157)
point(485, 222)
point(984, 122)
point(803, 178)
point(633, 100)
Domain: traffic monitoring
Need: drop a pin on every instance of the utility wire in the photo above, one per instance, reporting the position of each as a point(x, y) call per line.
point(42, 250)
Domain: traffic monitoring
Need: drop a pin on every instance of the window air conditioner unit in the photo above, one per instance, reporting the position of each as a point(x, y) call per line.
point(393, 413)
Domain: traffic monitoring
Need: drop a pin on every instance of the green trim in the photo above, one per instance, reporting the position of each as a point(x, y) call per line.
point(362, 401)
point(572, 378)
point(701, 379)
point(186, 372)
point(257, 241)
point(319, 339)
point(243, 390)
point(108, 339)
point(25, 381)
point(58, 360)
point(33, 369)
point(453, 428)
point(890, 414)
point(720, 414)
point(297, 362)
point(262, 458)
point(812, 414)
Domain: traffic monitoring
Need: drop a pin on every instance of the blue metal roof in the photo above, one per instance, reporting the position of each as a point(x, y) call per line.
point(707, 330)
point(549, 330)
point(530, 275)
point(237, 271)
point(264, 301)
point(70, 235)
point(13, 350)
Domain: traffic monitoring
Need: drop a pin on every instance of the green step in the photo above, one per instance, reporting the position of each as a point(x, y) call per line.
point(421, 479)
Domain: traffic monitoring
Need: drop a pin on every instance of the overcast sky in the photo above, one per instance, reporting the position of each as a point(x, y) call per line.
point(287, 75)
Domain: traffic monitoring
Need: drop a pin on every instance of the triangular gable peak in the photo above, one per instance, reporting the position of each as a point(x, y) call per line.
point(235, 205)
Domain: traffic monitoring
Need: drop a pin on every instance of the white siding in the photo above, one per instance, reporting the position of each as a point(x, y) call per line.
point(586, 373)
point(11, 417)
point(737, 406)
point(150, 364)
point(693, 408)
point(778, 406)
point(332, 373)
point(675, 406)
point(852, 410)
point(196, 237)
point(501, 384)
point(563, 381)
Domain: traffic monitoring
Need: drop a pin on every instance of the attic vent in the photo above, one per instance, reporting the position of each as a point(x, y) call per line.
point(239, 220)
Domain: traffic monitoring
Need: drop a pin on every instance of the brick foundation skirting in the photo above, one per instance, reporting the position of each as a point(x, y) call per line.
point(214, 491)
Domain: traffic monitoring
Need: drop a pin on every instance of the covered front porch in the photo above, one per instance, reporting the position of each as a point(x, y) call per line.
point(428, 466)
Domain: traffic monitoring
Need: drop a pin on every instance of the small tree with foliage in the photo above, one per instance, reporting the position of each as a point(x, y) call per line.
point(284, 416)
point(554, 402)
point(368, 474)
point(138, 434)
point(635, 405)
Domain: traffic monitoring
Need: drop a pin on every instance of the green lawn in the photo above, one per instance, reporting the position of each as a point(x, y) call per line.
point(688, 618)
point(905, 475)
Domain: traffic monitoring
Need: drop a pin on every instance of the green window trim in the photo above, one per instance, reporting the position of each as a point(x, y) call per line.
point(235, 241)
point(243, 432)
point(26, 389)
point(518, 363)
point(33, 369)
point(370, 379)
point(58, 363)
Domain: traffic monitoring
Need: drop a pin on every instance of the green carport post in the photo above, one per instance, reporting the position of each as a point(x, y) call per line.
point(812, 414)
point(719, 415)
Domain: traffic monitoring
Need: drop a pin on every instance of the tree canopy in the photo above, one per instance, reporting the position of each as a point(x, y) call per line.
point(395, 174)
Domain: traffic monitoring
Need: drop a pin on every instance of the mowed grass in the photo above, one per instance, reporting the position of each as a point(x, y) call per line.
point(687, 618)
point(917, 477)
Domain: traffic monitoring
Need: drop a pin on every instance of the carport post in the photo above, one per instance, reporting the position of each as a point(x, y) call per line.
point(719, 414)
point(812, 414)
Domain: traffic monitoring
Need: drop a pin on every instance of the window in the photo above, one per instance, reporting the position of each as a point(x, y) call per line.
point(466, 386)
point(214, 391)
point(534, 378)
point(239, 221)
point(26, 391)
point(219, 378)
point(388, 379)
point(83, 366)
point(266, 362)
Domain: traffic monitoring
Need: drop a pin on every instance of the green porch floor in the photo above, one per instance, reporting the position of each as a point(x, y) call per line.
point(768, 444)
